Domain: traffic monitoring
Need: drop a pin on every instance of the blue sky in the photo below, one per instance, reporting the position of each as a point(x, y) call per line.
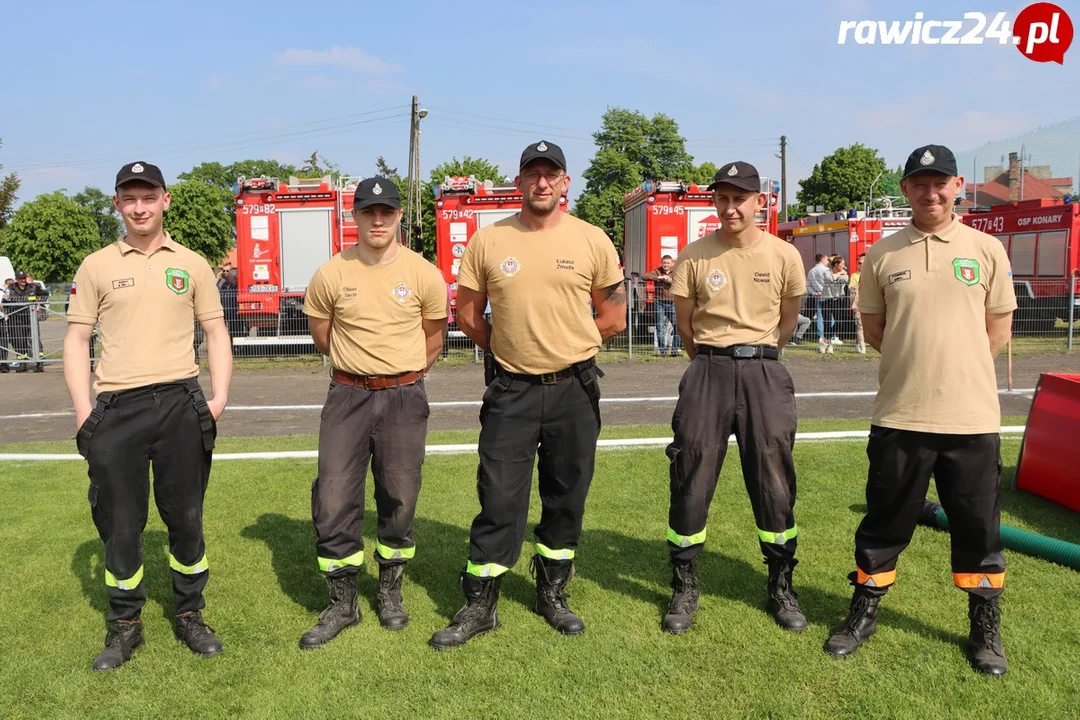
point(91, 85)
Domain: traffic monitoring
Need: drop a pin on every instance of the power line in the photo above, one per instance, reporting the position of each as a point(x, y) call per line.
point(496, 129)
point(502, 120)
point(182, 151)
point(75, 157)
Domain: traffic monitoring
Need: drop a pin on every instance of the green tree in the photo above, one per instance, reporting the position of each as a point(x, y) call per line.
point(890, 184)
point(104, 212)
point(632, 148)
point(50, 235)
point(467, 166)
point(9, 186)
point(842, 180)
point(197, 219)
point(224, 177)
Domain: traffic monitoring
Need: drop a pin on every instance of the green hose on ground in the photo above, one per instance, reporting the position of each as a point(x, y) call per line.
point(1022, 541)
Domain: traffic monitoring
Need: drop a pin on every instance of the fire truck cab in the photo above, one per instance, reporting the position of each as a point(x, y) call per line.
point(1042, 238)
point(463, 205)
point(284, 232)
point(661, 218)
point(844, 233)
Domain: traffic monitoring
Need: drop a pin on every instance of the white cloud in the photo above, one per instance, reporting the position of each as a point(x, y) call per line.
point(348, 58)
point(317, 83)
point(214, 81)
point(978, 127)
point(884, 117)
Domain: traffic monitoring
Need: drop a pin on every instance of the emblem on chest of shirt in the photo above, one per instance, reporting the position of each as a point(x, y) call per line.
point(966, 270)
point(510, 266)
point(716, 280)
point(401, 291)
point(177, 280)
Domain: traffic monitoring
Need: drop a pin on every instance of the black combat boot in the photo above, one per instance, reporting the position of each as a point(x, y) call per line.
point(392, 614)
point(783, 603)
point(684, 598)
point(478, 616)
point(551, 596)
point(341, 613)
point(121, 640)
point(190, 629)
point(984, 641)
point(859, 625)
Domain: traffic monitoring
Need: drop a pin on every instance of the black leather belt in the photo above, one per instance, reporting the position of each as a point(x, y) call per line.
point(552, 377)
point(742, 352)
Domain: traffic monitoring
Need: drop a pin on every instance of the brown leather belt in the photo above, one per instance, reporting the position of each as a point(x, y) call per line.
point(376, 382)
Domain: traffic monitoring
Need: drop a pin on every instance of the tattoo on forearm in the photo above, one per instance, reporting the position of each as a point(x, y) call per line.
point(616, 294)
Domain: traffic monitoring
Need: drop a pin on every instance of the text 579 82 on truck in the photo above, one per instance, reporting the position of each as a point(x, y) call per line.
point(284, 232)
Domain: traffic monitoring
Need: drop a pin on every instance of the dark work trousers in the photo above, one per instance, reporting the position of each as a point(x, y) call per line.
point(386, 429)
point(967, 471)
point(755, 400)
point(522, 417)
point(169, 426)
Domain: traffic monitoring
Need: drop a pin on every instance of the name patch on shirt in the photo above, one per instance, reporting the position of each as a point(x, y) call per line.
point(123, 283)
point(898, 276)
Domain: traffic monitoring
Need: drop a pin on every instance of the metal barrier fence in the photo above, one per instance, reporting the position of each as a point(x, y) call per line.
point(1048, 314)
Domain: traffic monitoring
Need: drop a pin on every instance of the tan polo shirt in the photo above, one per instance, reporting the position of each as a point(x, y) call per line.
point(377, 310)
point(936, 373)
point(147, 306)
point(737, 291)
point(540, 287)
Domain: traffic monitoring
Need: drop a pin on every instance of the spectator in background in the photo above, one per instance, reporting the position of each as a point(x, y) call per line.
point(833, 299)
point(4, 354)
point(815, 286)
point(853, 298)
point(19, 302)
point(228, 289)
point(665, 306)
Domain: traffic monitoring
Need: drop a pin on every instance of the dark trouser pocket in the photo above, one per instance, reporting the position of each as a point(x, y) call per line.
point(86, 432)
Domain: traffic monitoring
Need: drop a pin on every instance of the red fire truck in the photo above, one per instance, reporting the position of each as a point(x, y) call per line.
point(284, 232)
point(662, 218)
point(1042, 238)
point(847, 234)
point(463, 205)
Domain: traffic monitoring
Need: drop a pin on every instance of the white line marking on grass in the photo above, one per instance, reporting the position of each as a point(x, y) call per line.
point(1027, 392)
point(463, 449)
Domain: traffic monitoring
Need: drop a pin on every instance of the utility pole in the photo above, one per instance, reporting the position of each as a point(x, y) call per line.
point(783, 176)
point(413, 220)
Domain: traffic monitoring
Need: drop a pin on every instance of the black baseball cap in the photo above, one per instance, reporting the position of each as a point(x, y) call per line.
point(376, 191)
point(142, 172)
point(20, 274)
point(741, 174)
point(543, 150)
point(930, 158)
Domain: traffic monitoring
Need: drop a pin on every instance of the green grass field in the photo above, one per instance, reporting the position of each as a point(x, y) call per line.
point(265, 590)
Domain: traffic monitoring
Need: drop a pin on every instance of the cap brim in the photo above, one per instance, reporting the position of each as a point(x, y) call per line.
point(139, 178)
point(752, 187)
point(947, 172)
point(361, 204)
point(554, 161)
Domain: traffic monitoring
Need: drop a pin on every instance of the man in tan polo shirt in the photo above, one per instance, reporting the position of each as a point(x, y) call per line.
point(737, 295)
point(378, 310)
point(147, 292)
point(544, 272)
point(936, 301)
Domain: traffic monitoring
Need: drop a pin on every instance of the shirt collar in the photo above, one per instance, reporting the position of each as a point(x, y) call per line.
point(916, 235)
point(167, 244)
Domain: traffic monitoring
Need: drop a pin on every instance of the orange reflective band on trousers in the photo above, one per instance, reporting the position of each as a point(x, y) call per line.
point(977, 581)
point(882, 579)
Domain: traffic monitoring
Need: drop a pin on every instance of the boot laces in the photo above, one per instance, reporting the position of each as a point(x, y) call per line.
point(859, 607)
point(782, 593)
point(195, 626)
point(553, 591)
point(988, 623)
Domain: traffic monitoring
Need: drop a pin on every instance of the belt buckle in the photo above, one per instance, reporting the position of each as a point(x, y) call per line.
point(745, 351)
point(367, 385)
point(549, 378)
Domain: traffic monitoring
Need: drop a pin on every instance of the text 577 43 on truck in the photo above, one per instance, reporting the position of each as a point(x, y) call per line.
point(1042, 238)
